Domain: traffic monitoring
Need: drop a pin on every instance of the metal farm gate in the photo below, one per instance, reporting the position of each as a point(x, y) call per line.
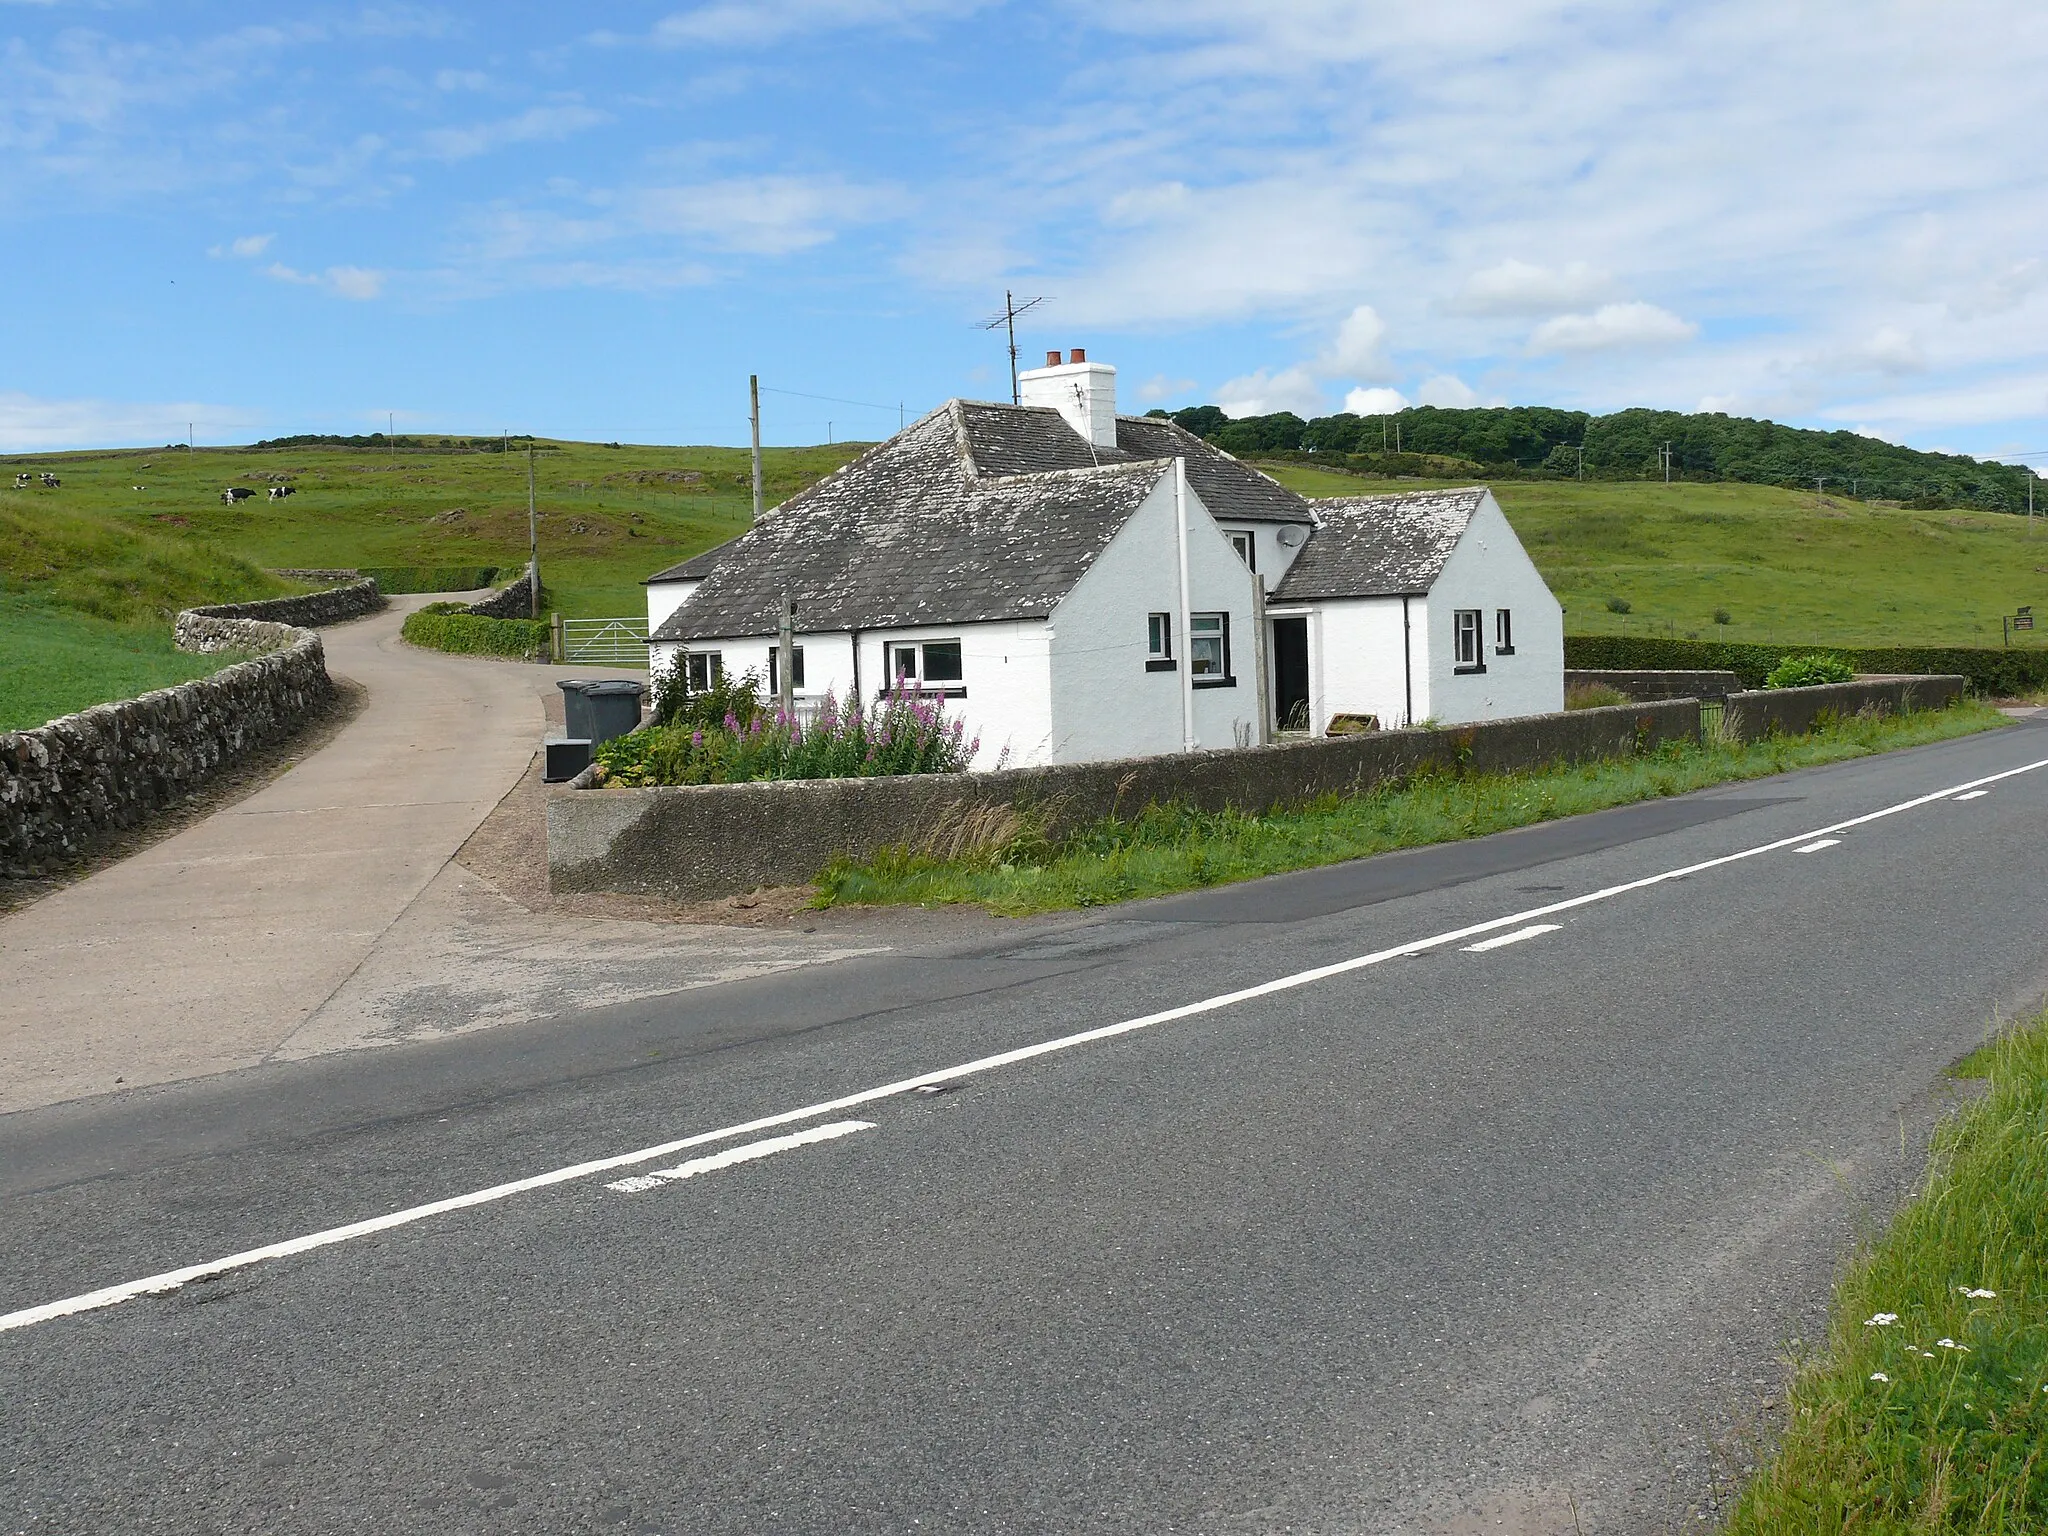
point(601, 642)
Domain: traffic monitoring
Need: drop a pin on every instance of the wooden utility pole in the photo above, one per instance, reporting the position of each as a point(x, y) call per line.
point(754, 415)
point(532, 537)
point(785, 656)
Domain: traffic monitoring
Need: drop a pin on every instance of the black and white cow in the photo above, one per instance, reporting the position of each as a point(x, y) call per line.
point(51, 480)
point(235, 493)
point(279, 492)
point(21, 481)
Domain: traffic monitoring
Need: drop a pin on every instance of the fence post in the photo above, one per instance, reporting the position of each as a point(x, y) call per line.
point(555, 648)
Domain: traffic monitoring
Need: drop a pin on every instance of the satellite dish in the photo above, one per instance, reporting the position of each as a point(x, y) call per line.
point(1291, 534)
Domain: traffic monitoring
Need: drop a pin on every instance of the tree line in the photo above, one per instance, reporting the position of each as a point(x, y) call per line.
point(1627, 445)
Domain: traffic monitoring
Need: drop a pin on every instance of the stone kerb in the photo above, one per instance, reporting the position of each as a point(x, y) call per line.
point(705, 841)
point(1795, 711)
point(67, 785)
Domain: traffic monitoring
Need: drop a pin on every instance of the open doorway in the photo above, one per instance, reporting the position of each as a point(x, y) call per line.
point(1290, 674)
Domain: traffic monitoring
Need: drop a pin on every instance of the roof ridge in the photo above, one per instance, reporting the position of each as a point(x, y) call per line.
point(1081, 471)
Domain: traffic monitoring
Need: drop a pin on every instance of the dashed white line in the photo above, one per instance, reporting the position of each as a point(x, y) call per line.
point(171, 1280)
point(1819, 843)
point(1501, 941)
point(732, 1155)
point(1975, 794)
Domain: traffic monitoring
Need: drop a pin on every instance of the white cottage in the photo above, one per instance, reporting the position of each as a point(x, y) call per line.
point(1085, 585)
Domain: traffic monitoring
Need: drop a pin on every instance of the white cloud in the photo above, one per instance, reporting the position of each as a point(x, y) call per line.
point(1447, 390)
point(557, 122)
point(247, 247)
point(1972, 404)
point(31, 425)
point(1159, 387)
point(1892, 350)
point(755, 23)
point(460, 80)
point(1375, 402)
point(343, 282)
point(1518, 288)
point(1355, 352)
point(1260, 394)
point(1611, 326)
point(759, 215)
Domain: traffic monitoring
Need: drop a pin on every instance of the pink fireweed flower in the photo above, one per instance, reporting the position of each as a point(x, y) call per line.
point(696, 738)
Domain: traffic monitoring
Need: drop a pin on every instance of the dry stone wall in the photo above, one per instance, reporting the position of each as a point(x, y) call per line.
point(68, 785)
point(510, 602)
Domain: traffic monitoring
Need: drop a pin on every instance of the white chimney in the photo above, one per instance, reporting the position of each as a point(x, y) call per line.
point(1081, 391)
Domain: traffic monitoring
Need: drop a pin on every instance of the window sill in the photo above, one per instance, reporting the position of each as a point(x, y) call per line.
point(957, 691)
point(1161, 664)
point(1468, 671)
point(1215, 682)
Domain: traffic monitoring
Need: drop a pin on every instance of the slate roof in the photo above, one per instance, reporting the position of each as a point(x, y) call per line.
point(976, 512)
point(925, 529)
point(1379, 546)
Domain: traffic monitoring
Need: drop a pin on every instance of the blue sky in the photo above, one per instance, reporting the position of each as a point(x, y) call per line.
point(596, 221)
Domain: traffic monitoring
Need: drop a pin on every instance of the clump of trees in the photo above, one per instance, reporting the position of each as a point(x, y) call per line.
point(1627, 445)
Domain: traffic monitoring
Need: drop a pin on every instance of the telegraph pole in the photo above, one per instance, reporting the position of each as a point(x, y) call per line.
point(754, 415)
point(532, 539)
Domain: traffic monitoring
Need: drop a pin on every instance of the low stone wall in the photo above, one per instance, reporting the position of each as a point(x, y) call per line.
point(703, 841)
point(69, 784)
point(1656, 685)
point(1795, 711)
point(510, 602)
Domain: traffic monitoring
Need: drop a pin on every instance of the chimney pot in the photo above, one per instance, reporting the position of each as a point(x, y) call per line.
point(1078, 355)
point(1052, 359)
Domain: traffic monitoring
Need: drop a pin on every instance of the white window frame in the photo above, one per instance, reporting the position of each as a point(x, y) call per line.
point(709, 664)
point(1503, 632)
point(1246, 543)
point(1201, 637)
point(1159, 642)
point(1468, 651)
point(918, 675)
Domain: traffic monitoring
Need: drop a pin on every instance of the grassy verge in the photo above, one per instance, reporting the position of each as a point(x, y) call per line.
point(1929, 1409)
point(1170, 848)
point(469, 634)
point(55, 662)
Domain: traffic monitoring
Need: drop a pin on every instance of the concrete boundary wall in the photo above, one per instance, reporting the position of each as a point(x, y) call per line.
point(703, 841)
point(1656, 685)
point(66, 786)
point(1795, 711)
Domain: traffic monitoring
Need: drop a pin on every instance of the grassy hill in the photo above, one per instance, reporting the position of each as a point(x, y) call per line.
point(608, 516)
point(1787, 567)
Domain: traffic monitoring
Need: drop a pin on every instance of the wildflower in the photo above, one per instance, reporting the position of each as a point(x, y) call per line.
point(1879, 1376)
point(1978, 1295)
point(1882, 1320)
point(696, 738)
point(1950, 1344)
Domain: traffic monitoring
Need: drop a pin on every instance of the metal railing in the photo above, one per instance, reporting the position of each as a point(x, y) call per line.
point(601, 642)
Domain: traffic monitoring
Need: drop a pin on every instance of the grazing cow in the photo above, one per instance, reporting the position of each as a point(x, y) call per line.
point(51, 480)
point(279, 492)
point(141, 487)
point(235, 493)
point(21, 481)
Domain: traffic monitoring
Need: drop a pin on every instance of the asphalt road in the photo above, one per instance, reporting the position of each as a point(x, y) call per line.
point(1514, 1238)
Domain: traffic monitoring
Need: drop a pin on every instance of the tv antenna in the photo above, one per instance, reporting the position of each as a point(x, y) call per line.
point(1007, 320)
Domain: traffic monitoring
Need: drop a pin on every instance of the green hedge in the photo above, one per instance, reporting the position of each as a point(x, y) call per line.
point(394, 579)
point(467, 634)
point(1997, 673)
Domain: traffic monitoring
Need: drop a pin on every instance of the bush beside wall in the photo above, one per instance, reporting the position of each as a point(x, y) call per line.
point(1999, 673)
point(466, 634)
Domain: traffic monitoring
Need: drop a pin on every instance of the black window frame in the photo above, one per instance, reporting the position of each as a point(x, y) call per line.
point(1459, 666)
point(1159, 643)
point(1503, 632)
point(796, 669)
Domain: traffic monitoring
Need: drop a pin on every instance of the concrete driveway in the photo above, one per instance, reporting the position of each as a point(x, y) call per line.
point(323, 912)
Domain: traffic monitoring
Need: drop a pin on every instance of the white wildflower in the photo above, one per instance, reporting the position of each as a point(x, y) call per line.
point(1882, 1320)
point(1978, 1295)
point(1950, 1344)
point(1880, 1376)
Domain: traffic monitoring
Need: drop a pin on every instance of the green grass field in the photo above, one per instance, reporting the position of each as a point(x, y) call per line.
point(609, 516)
point(55, 661)
point(1787, 567)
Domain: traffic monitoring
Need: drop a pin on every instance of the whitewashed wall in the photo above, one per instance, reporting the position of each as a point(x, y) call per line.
point(1356, 660)
point(1490, 570)
point(1104, 702)
point(664, 598)
point(1273, 556)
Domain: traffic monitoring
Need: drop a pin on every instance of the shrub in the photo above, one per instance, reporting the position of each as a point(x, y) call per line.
point(468, 634)
point(1993, 671)
point(1721, 616)
point(736, 697)
point(1618, 605)
point(905, 733)
point(1809, 671)
point(1593, 696)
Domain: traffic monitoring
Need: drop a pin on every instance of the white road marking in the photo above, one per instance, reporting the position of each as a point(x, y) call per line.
point(1505, 939)
point(1819, 843)
point(1975, 794)
point(746, 1154)
point(171, 1280)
